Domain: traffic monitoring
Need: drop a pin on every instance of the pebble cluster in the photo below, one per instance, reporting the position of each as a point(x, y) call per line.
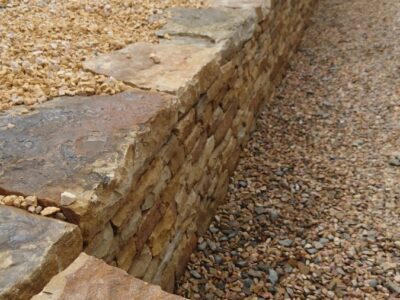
point(44, 42)
point(30, 204)
point(313, 210)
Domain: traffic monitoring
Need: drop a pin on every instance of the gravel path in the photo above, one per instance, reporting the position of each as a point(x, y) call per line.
point(43, 44)
point(313, 210)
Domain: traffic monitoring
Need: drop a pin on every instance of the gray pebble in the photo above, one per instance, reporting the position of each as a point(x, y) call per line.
point(195, 274)
point(285, 242)
point(273, 276)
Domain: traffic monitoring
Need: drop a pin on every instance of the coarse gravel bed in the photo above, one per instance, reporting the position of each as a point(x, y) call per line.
point(313, 210)
point(43, 44)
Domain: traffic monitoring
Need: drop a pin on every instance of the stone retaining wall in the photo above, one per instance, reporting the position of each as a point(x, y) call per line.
point(186, 169)
point(142, 173)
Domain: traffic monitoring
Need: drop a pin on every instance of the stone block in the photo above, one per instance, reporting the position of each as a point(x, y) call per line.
point(163, 231)
point(127, 254)
point(179, 65)
point(32, 250)
point(85, 146)
point(100, 245)
point(141, 263)
point(91, 278)
point(213, 24)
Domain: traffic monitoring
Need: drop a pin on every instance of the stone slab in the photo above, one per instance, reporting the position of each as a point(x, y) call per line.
point(214, 24)
point(77, 145)
point(90, 278)
point(32, 250)
point(262, 7)
point(162, 67)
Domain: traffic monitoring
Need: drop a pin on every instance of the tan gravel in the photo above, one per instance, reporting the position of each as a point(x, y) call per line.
point(313, 210)
point(43, 43)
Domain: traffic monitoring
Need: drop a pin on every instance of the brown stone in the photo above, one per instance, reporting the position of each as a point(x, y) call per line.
point(132, 64)
point(87, 144)
point(100, 245)
point(32, 250)
point(162, 232)
point(141, 263)
point(185, 125)
point(126, 255)
point(90, 278)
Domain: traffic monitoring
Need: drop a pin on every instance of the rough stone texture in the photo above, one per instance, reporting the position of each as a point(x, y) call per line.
point(212, 24)
point(32, 250)
point(179, 64)
point(90, 278)
point(159, 166)
point(78, 145)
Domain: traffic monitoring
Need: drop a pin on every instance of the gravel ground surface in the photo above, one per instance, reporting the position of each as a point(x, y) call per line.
point(313, 210)
point(43, 43)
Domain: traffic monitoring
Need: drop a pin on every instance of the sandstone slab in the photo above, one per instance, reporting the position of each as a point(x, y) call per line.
point(177, 65)
point(80, 145)
point(214, 24)
point(32, 250)
point(90, 278)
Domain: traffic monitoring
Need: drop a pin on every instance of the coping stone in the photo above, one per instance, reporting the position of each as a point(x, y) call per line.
point(177, 66)
point(81, 145)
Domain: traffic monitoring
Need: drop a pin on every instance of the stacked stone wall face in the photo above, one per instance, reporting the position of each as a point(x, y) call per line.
point(180, 186)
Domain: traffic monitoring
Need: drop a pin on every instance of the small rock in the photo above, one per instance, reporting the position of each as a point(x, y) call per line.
point(49, 211)
point(60, 216)
point(285, 242)
point(330, 294)
point(373, 283)
point(318, 245)
point(202, 246)
point(155, 58)
point(31, 209)
point(395, 161)
point(311, 250)
point(247, 283)
point(242, 183)
point(212, 245)
point(218, 259)
point(394, 287)
point(195, 274)
point(38, 209)
point(8, 200)
point(273, 214)
point(241, 263)
point(67, 198)
point(273, 276)
point(254, 273)
point(31, 200)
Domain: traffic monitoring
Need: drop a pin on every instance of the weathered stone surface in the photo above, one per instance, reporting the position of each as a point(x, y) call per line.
point(179, 65)
point(90, 278)
point(214, 24)
point(100, 245)
point(141, 263)
point(32, 250)
point(81, 145)
point(262, 7)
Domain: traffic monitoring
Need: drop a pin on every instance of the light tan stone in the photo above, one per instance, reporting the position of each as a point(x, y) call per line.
point(141, 263)
point(90, 278)
point(100, 245)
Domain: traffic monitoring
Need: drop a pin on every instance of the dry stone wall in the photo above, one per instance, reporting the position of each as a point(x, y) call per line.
point(143, 172)
point(222, 63)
